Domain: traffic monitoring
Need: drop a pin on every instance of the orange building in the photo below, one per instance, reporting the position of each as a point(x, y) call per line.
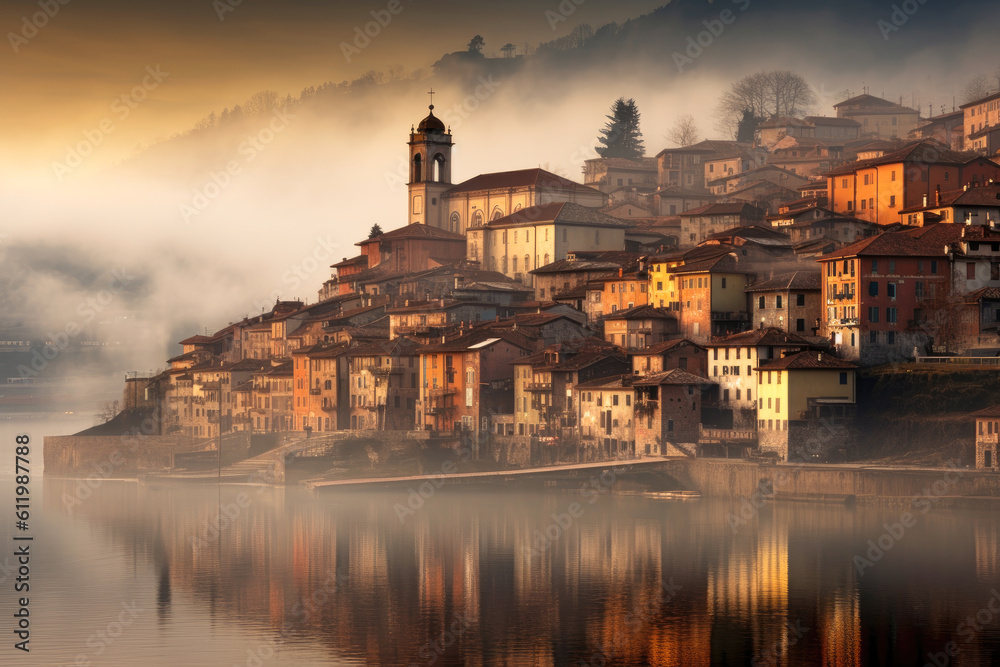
point(320, 389)
point(626, 290)
point(877, 189)
point(466, 380)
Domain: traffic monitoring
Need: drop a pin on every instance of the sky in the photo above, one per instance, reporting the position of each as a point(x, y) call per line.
point(99, 175)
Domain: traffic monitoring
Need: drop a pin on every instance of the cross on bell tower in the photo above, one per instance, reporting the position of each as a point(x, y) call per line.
point(430, 170)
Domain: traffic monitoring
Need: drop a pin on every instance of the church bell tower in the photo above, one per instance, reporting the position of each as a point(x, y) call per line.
point(430, 171)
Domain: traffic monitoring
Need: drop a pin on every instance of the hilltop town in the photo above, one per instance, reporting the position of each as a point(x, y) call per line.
point(718, 299)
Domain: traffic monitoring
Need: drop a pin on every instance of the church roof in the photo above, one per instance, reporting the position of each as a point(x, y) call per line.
point(563, 212)
point(414, 231)
point(431, 124)
point(523, 178)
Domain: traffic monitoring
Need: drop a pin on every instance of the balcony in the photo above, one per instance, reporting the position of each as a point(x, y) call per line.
point(645, 408)
point(846, 322)
point(644, 330)
point(538, 386)
point(385, 371)
point(315, 391)
point(262, 389)
point(437, 410)
point(445, 391)
point(329, 408)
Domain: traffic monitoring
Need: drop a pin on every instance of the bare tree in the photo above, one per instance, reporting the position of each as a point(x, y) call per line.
point(978, 88)
point(777, 93)
point(261, 103)
point(684, 132)
point(108, 412)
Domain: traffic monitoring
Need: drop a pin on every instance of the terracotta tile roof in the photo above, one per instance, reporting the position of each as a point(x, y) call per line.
point(866, 100)
point(988, 98)
point(674, 376)
point(926, 151)
point(799, 280)
point(767, 337)
point(610, 382)
point(734, 208)
point(360, 259)
point(807, 360)
point(611, 260)
point(990, 412)
point(929, 241)
point(558, 212)
point(476, 337)
point(416, 231)
point(723, 148)
point(832, 121)
point(640, 313)
point(983, 294)
point(523, 178)
point(722, 263)
point(665, 346)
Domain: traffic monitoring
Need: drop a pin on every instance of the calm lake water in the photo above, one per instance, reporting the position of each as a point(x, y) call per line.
point(157, 575)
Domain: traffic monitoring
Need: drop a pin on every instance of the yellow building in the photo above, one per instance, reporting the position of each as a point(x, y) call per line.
point(516, 244)
point(799, 395)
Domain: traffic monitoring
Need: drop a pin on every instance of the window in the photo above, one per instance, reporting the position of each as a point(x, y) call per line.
point(843, 378)
point(890, 315)
point(970, 270)
point(890, 337)
point(800, 325)
point(777, 302)
point(890, 290)
point(933, 267)
point(874, 267)
point(892, 266)
point(873, 315)
point(892, 201)
point(777, 404)
point(800, 299)
point(918, 289)
point(873, 288)
point(614, 399)
point(723, 283)
point(760, 302)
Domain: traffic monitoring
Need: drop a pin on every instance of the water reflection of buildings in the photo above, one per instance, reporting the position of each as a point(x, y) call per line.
point(631, 582)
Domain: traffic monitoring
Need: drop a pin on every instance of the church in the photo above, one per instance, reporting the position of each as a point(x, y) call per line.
point(514, 221)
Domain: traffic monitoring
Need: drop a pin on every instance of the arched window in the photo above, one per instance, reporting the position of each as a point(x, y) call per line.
point(546, 259)
point(477, 219)
point(515, 265)
point(439, 168)
point(504, 264)
point(497, 214)
point(456, 222)
point(527, 263)
point(418, 168)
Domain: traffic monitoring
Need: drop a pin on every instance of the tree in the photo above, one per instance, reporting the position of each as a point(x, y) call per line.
point(261, 104)
point(108, 412)
point(476, 44)
point(684, 132)
point(508, 50)
point(746, 130)
point(375, 231)
point(978, 88)
point(621, 136)
point(765, 95)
